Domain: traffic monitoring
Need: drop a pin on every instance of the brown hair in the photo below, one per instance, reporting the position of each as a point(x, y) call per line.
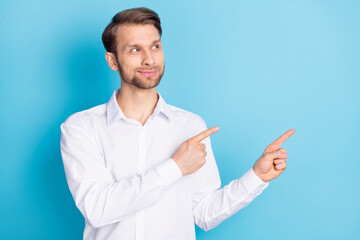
point(140, 15)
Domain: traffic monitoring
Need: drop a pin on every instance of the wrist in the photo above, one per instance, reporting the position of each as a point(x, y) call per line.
point(258, 174)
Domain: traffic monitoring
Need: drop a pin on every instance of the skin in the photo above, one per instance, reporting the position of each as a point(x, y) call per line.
point(139, 48)
point(138, 96)
point(273, 160)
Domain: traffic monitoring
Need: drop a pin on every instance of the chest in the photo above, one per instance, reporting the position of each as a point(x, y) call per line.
point(131, 149)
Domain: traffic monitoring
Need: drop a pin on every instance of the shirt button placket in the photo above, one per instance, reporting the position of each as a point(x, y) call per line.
point(140, 170)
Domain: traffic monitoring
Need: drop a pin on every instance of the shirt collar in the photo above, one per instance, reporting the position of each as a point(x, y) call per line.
point(114, 112)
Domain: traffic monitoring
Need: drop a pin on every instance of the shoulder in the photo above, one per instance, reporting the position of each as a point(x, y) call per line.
point(186, 117)
point(87, 118)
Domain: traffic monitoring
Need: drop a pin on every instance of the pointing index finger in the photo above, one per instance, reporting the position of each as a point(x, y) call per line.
point(201, 136)
point(277, 143)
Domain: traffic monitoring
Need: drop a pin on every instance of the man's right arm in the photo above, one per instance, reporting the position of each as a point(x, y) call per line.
point(101, 199)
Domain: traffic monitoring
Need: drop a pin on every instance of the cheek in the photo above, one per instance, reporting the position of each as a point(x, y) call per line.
point(130, 64)
point(160, 58)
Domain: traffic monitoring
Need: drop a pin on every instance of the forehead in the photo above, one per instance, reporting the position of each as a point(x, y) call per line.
point(140, 34)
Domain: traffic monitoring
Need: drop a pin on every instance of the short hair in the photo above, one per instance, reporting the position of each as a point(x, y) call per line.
point(139, 15)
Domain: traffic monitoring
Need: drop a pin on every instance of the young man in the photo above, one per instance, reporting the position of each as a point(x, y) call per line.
point(139, 168)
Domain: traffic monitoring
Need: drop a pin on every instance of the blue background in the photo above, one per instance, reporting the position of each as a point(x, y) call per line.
point(254, 68)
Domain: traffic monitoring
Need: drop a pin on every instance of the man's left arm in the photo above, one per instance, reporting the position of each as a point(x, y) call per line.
point(212, 204)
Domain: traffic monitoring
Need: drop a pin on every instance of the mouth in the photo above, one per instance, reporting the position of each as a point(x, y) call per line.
point(148, 73)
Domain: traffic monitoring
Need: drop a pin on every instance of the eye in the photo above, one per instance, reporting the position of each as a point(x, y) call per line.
point(156, 46)
point(134, 50)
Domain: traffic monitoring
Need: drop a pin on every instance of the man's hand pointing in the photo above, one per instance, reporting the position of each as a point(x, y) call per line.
point(273, 161)
point(190, 156)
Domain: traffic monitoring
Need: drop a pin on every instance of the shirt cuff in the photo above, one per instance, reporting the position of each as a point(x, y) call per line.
point(169, 171)
point(253, 184)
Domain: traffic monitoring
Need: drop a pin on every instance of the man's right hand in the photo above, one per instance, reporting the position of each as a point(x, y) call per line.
point(190, 156)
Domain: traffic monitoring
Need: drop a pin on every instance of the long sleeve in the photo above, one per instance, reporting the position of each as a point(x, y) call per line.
point(101, 199)
point(212, 204)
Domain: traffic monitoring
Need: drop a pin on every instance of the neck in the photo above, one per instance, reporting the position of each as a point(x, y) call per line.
point(137, 103)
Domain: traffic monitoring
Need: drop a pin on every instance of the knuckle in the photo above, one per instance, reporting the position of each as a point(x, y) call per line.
point(282, 149)
point(281, 166)
point(203, 154)
point(280, 154)
point(191, 146)
point(271, 148)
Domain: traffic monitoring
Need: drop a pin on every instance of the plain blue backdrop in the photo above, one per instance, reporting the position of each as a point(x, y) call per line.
point(254, 68)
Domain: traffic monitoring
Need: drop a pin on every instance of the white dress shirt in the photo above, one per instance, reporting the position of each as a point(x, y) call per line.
point(127, 186)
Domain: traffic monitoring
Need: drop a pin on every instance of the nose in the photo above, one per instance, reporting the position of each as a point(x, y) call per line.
point(148, 58)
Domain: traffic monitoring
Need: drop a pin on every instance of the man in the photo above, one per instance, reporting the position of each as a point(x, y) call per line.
point(139, 168)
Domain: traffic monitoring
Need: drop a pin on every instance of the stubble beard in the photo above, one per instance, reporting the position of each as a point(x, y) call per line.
point(146, 83)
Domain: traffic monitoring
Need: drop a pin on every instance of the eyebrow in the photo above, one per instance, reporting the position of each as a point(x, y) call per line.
point(136, 45)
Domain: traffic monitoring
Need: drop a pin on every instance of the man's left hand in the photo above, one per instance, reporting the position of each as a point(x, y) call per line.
point(273, 161)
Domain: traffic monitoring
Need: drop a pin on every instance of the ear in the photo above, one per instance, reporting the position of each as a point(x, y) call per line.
point(111, 60)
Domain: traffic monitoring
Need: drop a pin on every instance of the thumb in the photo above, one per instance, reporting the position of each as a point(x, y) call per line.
point(274, 155)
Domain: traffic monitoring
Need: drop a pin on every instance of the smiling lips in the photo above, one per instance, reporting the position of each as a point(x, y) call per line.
point(148, 73)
